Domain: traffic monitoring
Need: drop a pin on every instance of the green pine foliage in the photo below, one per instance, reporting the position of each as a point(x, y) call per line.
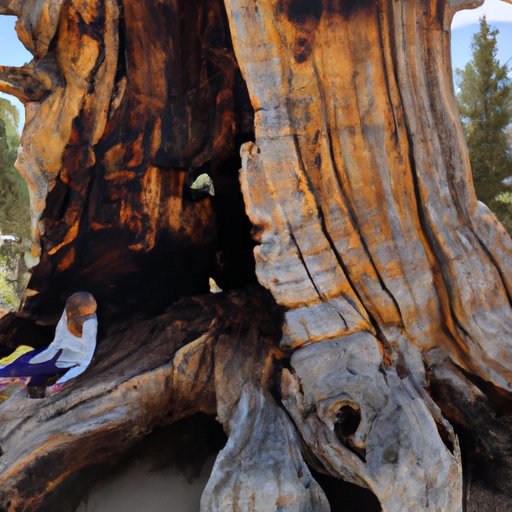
point(485, 105)
point(14, 207)
point(14, 201)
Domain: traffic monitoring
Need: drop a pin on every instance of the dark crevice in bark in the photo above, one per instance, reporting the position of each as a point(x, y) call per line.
point(466, 472)
point(445, 436)
point(348, 418)
point(201, 67)
point(346, 497)
point(351, 211)
point(122, 63)
point(499, 400)
point(303, 261)
point(495, 264)
point(428, 238)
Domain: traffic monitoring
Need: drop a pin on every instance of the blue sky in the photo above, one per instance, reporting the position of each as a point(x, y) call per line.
point(461, 43)
point(12, 52)
point(465, 24)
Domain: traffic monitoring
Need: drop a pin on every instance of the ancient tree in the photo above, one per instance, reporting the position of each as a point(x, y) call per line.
point(369, 339)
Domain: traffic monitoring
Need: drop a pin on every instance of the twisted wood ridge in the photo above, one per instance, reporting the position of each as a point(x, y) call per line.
point(383, 351)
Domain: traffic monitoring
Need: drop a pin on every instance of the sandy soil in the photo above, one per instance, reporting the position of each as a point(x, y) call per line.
point(140, 488)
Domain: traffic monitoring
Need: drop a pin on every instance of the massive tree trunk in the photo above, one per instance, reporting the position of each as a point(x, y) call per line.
point(382, 355)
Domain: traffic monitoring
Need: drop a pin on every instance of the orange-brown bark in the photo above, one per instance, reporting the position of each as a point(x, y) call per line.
point(361, 183)
point(146, 373)
point(133, 116)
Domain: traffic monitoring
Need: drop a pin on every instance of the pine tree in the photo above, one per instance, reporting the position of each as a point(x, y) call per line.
point(14, 206)
point(485, 104)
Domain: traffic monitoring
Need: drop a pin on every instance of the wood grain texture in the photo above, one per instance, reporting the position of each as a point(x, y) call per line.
point(370, 427)
point(393, 284)
point(368, 226)
point(109, 154)
point(83, 59)
point(262, 443)
point(144, 374)
point(361, 186)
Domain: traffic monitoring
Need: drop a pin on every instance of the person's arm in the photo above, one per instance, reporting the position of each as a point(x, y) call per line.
point(89, 331)
point(55, 345)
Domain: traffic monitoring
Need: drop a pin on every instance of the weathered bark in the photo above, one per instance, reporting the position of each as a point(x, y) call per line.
point(109, 154)
point(394, 283)
point(22, 83)
point(369, 203)
point(147, 373)
point(361, 186)
point(369, 426)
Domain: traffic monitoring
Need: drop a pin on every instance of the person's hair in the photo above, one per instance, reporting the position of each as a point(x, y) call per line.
point(80, 304)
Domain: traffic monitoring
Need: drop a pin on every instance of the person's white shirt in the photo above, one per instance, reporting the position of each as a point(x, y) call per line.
point(77, 351)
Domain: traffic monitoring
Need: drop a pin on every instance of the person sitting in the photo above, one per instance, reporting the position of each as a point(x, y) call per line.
point(70, 352)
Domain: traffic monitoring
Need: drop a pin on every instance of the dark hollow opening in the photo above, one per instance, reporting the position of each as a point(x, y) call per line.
point(127, 253)
point(347, 421)
point(345, 497)
point(185, 448)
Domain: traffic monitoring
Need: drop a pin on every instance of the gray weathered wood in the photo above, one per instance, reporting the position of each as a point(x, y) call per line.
point(368, 426)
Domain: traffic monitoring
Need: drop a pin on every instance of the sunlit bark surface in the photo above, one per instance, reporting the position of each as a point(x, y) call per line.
point(382, 355)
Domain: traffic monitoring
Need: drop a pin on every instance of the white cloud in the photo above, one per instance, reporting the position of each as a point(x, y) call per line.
point(495, 10)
